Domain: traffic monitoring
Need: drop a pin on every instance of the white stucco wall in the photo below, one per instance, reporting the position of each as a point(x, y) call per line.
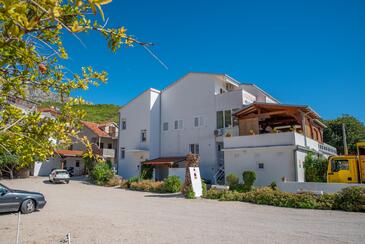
point(141, 114)
point(44, 168)
point(193, 96)
point(180, 172)
point(278, 162)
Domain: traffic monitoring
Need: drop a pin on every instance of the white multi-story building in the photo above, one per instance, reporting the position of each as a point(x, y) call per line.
point(192, 114)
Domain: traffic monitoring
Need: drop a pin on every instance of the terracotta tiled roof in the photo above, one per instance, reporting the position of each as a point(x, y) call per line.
point(69, 153)
point(164, 161)
point(94, 127)
point(48, 110)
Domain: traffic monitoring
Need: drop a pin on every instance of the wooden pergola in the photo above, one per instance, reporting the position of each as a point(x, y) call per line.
point(262, 118)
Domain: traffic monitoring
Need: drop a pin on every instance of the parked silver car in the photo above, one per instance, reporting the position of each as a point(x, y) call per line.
point(59, 175)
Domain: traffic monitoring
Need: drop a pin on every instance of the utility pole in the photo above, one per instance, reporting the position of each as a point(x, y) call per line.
point(345, 149)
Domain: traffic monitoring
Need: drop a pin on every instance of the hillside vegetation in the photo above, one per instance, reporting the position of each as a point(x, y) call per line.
point(94, 112)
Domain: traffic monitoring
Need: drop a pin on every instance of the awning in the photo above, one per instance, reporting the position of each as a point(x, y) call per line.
point(69, 153)
point(168, 161)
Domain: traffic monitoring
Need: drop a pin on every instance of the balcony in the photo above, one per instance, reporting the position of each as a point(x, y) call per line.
point(277, 139)
point(225, 132)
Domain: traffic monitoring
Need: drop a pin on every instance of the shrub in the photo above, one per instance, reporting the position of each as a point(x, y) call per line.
point(204, 188)
point(214, 193)
point(315, 168)
point(114, 181)
point(101, 174)
point(124, 184)
point(351, 199)
point(249, 178)
point(148, 186)
point(147, 172)
point(131, 180)
point(268, 196)
point(172, 184)
point(273, 185)
point(232, 181)
point(190, 194)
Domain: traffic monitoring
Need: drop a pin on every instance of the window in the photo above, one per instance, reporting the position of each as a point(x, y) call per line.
point(261, 165)
point(227, 118)
point(194, 148)
point(224, 119)
point(122, 153)
point(339, 164)
point(101, 145)
point(165, 126)
point(124, 124)
point(178, 124)
point(143, 135)
point(110, 146)
point(77, 163)
point(219, 119)
point(198, 121)
point(219, 147)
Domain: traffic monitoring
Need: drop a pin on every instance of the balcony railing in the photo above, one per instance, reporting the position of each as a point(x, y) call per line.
point(108, 153)
point(328, 149)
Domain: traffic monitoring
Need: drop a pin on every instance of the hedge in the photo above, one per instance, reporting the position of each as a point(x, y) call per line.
point(349, 199)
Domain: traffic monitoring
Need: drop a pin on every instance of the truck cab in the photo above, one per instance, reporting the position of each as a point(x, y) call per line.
point(342, 169)
point(347, 168)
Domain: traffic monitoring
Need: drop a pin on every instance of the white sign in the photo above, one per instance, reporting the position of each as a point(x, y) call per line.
point(196, 181)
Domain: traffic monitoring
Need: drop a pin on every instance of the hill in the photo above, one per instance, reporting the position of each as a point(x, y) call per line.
point(94, 112)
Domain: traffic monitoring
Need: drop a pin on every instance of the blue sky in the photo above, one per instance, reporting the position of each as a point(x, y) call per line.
point(301, 52)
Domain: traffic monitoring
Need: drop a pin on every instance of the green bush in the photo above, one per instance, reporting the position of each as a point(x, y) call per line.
point(232, 181)
point(204, 188)
point(315, 168)
point(214, 193)
point(101, 174)
point(131, 180)
point(249, 178)
point(351, 199)
point(147, 172)
point(172, 184)
point(190, 194)
point(268, 196)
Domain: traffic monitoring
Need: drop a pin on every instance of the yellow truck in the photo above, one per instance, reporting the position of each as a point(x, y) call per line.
point(347, 168)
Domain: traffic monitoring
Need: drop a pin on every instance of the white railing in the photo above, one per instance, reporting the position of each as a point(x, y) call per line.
point(328, 149)
point(219, 176)
point(108, 153)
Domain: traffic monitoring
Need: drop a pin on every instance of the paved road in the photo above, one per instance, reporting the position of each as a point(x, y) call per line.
point(96, 214)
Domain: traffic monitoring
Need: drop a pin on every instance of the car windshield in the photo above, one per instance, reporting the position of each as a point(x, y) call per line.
point(61, 172)
point(3, 189)
point(339, 164)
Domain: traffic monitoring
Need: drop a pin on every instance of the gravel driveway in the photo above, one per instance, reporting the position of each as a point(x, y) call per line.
point(94, 214)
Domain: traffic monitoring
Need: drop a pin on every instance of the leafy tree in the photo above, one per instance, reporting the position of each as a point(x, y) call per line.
point(355, 131)
point(8, 162)
point(315, 168)
point(31, 49)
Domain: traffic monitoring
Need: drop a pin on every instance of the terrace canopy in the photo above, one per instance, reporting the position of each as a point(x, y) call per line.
point(165, 161)
point(261, 118)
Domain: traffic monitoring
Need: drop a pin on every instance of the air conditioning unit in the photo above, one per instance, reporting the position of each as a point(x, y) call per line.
point(218, 132)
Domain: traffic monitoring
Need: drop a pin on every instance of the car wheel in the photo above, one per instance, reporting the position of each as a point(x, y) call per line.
point(28, 206)
point(67, 181)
